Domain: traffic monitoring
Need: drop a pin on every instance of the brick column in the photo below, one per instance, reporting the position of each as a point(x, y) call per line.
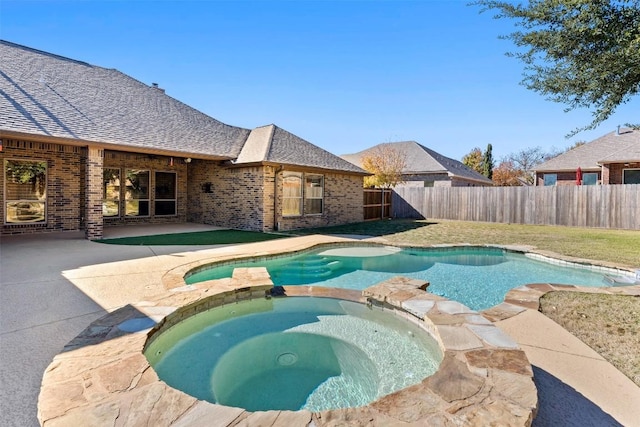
point(93, 193)
point(606, 175)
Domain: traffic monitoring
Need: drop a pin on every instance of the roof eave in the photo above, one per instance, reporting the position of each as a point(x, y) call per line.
point(293, 167)
point(609, 162)
point(6, 134)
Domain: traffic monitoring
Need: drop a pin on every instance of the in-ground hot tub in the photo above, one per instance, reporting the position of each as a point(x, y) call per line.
point(103, 377)
point(293, 353)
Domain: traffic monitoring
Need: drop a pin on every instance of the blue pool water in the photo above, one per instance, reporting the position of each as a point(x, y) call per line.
point(476, 277)
point(293, 353)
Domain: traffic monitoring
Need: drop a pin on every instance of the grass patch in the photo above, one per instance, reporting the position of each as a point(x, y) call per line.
point(618, 246)
point(609, 324)
point(215, 237)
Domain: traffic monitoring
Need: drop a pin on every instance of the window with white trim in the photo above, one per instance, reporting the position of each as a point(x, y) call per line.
point(165, 200)
point(292, 194)
point(136, 196)
point(550, 179)
point(25, 190)
point(313, 194)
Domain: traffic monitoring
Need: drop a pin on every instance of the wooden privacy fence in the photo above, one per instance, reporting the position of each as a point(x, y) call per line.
point(377, 203)
point(602, 206)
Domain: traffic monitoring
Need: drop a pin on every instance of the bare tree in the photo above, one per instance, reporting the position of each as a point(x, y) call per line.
point(525, 160)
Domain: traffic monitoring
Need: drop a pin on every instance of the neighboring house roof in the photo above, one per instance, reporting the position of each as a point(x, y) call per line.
point(422, 160)
point(50, 96)
point(609, 148)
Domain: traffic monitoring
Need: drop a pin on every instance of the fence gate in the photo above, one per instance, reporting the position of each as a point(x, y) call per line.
point(377, 203)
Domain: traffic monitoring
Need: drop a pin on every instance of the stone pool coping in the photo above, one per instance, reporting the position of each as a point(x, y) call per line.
point(103, 378)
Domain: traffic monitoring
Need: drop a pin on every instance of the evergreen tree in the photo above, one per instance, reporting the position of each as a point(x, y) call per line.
point(487, 162)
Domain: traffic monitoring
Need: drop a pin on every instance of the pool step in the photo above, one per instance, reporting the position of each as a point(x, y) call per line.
point(309, 267)
point(621, 281)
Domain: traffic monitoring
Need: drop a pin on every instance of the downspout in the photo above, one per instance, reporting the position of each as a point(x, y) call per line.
point(275, 198)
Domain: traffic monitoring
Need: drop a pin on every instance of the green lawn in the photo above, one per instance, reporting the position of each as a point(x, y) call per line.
point(619, 246)
point(217, 237)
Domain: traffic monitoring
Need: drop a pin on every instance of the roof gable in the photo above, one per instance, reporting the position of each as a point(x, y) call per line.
point(275, 145)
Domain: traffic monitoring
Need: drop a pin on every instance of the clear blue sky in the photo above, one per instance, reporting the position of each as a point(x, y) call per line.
point(344, 75)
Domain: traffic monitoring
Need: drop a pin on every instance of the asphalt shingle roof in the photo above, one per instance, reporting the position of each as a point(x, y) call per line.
point(49, 95)
point(422, 160)
point(609, 148)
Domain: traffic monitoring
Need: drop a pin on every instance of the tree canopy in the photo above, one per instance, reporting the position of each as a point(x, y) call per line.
point(581, 53)
point(386, 164)
point(479, 161)
point(473, 159)
point(506, 175)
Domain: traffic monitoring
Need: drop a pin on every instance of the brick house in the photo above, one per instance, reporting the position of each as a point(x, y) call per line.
point(83, 146)
point(613, 158)
point(426, 168)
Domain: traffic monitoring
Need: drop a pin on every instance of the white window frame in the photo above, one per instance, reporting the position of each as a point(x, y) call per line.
point(42, 200)
point(285, 198)
point(308, 194)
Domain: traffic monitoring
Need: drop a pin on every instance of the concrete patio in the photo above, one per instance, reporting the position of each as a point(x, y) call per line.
point(53, 286)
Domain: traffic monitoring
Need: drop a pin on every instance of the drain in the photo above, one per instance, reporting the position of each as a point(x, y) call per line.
point(287, 359)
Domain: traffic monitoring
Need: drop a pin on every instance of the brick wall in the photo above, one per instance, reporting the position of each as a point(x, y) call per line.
point(343, 203)
point(74, 192)
point(616, 171)
point(239, 198)
point(65, 193)
point(243, 198)
point(563, 178)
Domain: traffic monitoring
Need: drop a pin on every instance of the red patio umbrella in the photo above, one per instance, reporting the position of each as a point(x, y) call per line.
point(579, 176)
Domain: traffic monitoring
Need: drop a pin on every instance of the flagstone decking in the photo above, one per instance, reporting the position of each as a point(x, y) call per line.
point(103, 378)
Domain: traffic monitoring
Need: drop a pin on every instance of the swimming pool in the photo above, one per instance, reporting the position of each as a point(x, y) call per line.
point(478, 277)
point(293, 353)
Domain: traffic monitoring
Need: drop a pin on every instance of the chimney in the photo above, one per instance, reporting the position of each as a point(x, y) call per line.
point(155, 86)
point(618, 130)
